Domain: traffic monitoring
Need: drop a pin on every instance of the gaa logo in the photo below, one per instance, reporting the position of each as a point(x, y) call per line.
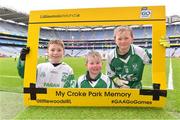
point(145, 13)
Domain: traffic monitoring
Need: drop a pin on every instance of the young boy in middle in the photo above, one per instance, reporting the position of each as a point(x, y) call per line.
point(94, 78)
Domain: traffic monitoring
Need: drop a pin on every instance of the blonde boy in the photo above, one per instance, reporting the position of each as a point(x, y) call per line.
point(93, 77)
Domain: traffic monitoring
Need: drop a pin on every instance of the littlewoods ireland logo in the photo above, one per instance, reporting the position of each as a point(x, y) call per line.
point(145, 13)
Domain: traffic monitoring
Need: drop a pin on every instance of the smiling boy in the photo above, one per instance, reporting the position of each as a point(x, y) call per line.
point(54, 73)
point(94, 78)
point(125, 63)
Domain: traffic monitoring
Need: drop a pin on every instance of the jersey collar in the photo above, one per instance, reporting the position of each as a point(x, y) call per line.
point(131, 51)
point(90, 79)
point(128, 55)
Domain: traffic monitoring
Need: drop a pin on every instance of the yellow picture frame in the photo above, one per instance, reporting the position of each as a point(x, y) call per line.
point(153, 15)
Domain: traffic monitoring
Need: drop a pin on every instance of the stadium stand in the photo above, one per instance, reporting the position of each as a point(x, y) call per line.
point(78, 40)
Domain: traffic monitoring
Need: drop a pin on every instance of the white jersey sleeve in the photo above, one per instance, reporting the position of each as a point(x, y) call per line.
point(109, 70)
point(143, 54)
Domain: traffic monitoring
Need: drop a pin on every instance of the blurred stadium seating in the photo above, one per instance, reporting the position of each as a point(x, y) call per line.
point(78, 40)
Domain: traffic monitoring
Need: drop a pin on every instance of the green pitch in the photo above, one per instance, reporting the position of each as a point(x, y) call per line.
point(11, 98)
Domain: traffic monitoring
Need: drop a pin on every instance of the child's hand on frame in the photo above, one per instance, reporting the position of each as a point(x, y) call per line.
point(23, 53)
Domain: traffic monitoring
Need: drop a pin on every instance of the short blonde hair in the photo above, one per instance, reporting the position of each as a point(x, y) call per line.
point(122, 29)
point(93, 54)
point(56, 41)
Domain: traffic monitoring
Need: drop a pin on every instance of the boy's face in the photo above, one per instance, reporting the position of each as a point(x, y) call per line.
point(55, 53)
point(94, 65)
point(123, 40)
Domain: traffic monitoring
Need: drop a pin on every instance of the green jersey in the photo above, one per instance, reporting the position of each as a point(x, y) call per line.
point(129, 66)
point(20, 67)
point(101, 81)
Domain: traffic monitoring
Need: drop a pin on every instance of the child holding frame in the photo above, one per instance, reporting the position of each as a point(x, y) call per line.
point(54, 73)
point(125, 64)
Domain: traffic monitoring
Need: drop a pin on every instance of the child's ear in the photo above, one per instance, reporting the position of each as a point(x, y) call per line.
point(114, 38)
point(64, 51)
point(132, 40)
point(86, 64)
